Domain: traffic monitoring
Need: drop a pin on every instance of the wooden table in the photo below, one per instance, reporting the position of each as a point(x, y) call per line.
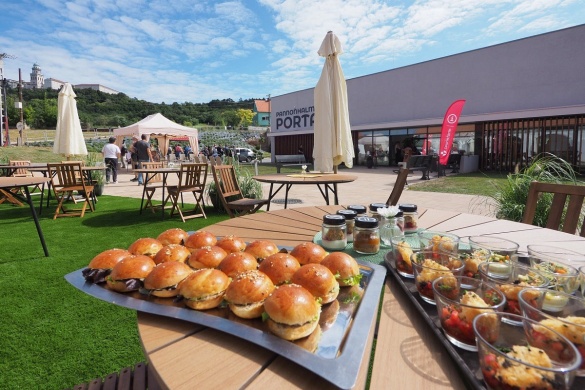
point(23, 182)
point(85, 170)
point(149, 174)
point(407, 355)
point(324, 181)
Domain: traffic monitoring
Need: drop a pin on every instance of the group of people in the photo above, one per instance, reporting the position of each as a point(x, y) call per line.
point(178, 150)
point(217, 150)
point(140, 151)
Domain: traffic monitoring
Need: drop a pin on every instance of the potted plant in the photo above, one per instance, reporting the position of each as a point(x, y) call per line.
point(98, 177)
point(250, 188)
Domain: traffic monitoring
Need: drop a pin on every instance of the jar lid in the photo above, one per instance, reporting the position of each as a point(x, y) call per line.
point(357, 208)
point(398, 214)
point(347, 214)
point(376, 206)
point(366, 222)
point(333, 219)
point(408, 208)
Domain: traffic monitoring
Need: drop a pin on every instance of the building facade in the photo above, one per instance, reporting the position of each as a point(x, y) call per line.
point(522, 97)
point(261, 113)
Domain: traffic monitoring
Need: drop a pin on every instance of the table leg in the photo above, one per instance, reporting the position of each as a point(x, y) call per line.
point(288, 187)
point(36, 219)
point(144, 189)
point(335, 193)
point(164, 185)
point(272, 194)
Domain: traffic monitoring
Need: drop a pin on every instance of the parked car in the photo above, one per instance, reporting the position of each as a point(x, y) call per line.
point(245, 154)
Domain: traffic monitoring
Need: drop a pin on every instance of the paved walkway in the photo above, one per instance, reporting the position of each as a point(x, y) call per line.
point(372, 186)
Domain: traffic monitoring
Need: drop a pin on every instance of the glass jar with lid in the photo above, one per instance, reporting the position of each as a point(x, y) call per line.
point(359, 209)
point(410, 217)
point(366, 235)
point(349, 216)
point(392, 227)
point(374, 211)
point(334, 232)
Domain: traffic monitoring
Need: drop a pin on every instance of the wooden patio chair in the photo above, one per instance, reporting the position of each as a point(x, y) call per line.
point(562, 193)
point(398, 187)
point(153, 184)
point(192, 178)
point(65, 182)
point(230, 194)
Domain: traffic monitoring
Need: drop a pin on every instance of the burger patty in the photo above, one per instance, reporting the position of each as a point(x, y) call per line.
point(206, 297)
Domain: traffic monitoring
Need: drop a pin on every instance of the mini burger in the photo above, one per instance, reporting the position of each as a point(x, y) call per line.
point(204, 289)
point(344, 267)
point(128, 275)
point(199, 239)
point(172, 252)
point(173, 236)
point(292, 312)
point(163, 281)
point(237, 262)
point(318, 280)
point(247, 292)
point(231, 244)
point(101, 265)
point(261, 249)
point(206, 257)
point(308, 252)
point(145, 246)
point(280, 267)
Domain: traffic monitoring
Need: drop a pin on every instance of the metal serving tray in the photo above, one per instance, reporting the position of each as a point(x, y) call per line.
point(342, 345)
point(467, 361)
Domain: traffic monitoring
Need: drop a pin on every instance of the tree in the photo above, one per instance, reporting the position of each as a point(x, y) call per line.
point(245, 116)
point(231, 118)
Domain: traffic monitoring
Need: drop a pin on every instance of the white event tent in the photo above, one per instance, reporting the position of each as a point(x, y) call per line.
point(161, 128)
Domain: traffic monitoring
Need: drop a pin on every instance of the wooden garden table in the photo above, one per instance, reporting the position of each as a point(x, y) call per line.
point(184, 355)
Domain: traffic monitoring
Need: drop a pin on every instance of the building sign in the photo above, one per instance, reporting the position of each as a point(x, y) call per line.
point(295, 119)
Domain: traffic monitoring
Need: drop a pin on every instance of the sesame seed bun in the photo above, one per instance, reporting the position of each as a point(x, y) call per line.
point(247, 292)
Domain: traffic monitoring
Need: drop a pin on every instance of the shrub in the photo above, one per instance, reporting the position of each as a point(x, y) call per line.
point(510, 198)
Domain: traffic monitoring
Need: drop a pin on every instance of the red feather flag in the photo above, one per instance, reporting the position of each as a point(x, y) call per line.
point(448, 130)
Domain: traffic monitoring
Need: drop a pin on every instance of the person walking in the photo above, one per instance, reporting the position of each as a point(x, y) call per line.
point(111, 153)
point(142, 150)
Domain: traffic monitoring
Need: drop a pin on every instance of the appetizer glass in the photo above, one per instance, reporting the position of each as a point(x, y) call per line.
point(502, 249)
point(562, 255)
point(473, 258)
point(511, 278)
point(563, 312)
point(582, 279)
point(428, 266)
point(500, 343)
point(457, 317)
point(403, 248)
point(438, 241)
point(562, 277)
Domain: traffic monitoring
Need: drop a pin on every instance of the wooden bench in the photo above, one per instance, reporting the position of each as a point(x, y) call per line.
point(135, 378)
point(419, 163)
point(290, 160)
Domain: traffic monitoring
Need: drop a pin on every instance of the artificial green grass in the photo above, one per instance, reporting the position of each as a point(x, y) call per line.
point(54, 336)
point(477, 183)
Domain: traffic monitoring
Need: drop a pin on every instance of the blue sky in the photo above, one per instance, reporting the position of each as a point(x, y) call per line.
point(196, 51)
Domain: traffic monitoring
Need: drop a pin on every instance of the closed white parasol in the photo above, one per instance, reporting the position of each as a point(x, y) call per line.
point(68, 137)
point(333, 144)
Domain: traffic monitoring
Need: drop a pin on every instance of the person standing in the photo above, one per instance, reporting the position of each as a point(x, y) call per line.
point(111, 153)
point(142, 150)
point(178, 151)
point(124, 151)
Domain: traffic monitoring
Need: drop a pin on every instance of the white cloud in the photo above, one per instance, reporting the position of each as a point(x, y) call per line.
point(186, 50)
